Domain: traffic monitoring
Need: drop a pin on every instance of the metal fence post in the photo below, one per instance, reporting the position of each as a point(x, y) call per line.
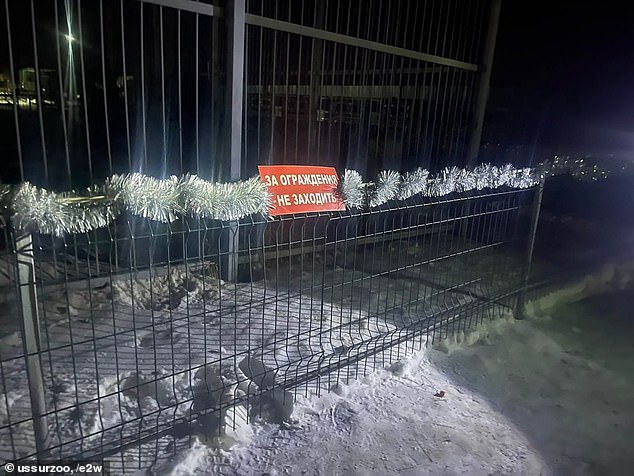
point(537, 204)
point(484, 71)
point(235, 12)
point(30, 324)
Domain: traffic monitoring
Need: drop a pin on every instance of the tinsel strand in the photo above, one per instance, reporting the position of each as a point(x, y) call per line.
point(35, 209)
point(146, 196)
point(224, 201)
point(351, 189)
point(386, 187)
point(413, 183)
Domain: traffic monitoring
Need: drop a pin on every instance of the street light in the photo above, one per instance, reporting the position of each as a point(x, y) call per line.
point(70, 92)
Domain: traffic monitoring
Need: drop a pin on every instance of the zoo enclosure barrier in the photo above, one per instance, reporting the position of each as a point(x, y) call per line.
point(129, 341)
point(124, 344)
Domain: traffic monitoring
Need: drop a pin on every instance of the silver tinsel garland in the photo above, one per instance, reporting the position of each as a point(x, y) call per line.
point(224, 201)
point(387, 185)
point(392, 185)
point(351, 189)
point(413, 183)
point(35, 209)
point(147, 197)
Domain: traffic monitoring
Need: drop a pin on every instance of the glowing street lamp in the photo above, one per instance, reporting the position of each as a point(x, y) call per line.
point(70, 38)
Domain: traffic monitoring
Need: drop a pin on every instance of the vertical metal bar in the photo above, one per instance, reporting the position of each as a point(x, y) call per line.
point(245, 96)
point(383, 75)
point(460, 100)
point(286, 85)
point(260, 90)
point(13, 91)
point(360, 164)
point(405, 99)
point(417, 71)
point(30, 324)
point(144, 166)
point(393, 101)
point(474, 43)
point(484, 68)
point(213, 93)
point(333, 83)
point(314, 98)
point(449, 104)
point(443, 75)
point(320, 85)
point(450, 121)
point(164, 171)
point(235, 14)
point(196, 111)
point(537, 204)
point(84, 93)
point(39, 96)
point(271, 156)
point(125, 89)
point(235, 79)
point(49, 358)
point(425, 94)
point(355, 102)
point(180, 95)
point(92, 319)
point(62, 105)
point(71, 338)
point(344, 74)
point(297, 96)
point(105, 94)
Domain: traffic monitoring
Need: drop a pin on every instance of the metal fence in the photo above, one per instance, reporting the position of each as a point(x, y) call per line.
point(165, 87)
point(136, 345)
point(125, 343)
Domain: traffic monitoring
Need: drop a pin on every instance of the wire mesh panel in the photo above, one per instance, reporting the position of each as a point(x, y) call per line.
point(316, 94)
point(141, 356)
point(109, 86)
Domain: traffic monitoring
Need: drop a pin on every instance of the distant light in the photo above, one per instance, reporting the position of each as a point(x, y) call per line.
point(70, 38)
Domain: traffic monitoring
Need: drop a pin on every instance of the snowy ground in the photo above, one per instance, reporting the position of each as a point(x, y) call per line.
point(525, 397)
point(134, 353)
point(548, 395)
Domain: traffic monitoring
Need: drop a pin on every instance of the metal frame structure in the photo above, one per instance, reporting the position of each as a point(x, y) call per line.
point(134, 357)
point(138, 82)
point(136, 338)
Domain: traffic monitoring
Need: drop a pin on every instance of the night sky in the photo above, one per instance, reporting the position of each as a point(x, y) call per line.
point(563, 78)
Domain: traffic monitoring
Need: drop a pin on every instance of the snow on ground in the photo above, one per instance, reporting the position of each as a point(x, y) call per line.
point(145, 346)
point(393, 422)
point(564, 382)
point(551, 394)
point(518, 399)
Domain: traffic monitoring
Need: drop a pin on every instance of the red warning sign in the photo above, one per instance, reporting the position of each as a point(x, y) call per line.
point(301, 188)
